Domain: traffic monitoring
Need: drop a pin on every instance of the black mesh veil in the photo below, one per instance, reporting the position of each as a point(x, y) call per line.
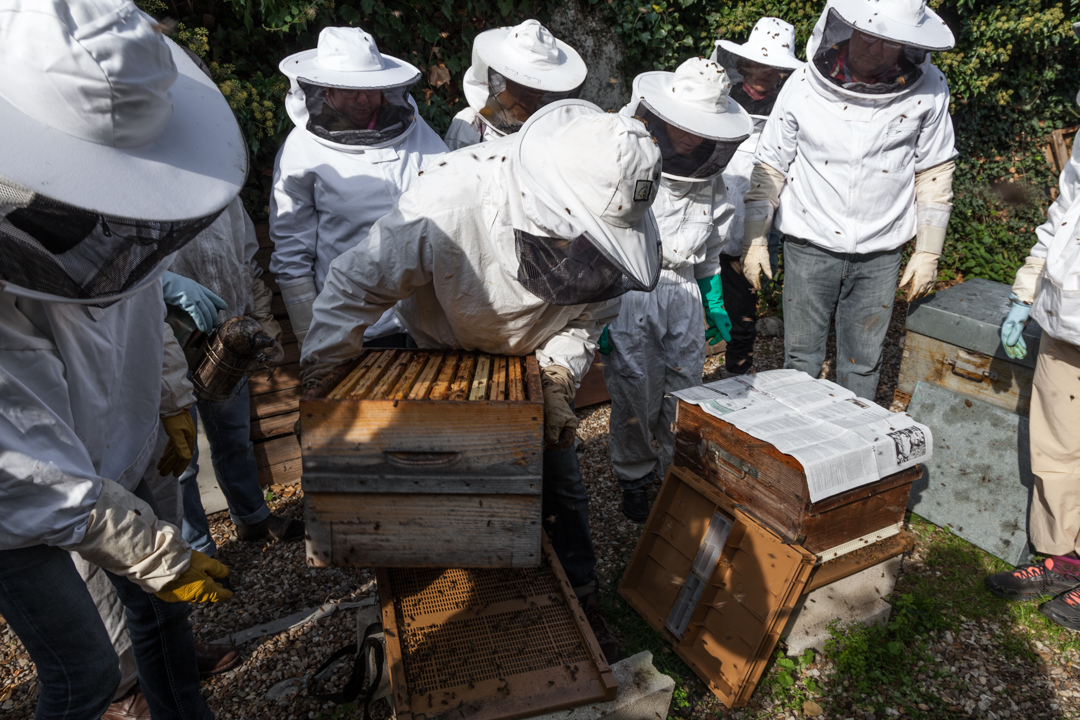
point(393, 118)
point(59, 250)
point(833, 61)
point(502, 117)
point(704, 161)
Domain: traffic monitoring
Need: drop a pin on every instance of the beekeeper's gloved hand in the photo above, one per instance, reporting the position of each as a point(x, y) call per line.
point(604, 343)
point(196, 584)
point(196, 300)
point(1012, 330)
point(716, 317)
point(559, 418)
point(181, 431)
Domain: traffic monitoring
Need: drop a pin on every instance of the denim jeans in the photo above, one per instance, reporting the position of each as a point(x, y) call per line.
point(859, 289)
point(48, 606)
point(228, 430)
point(565, 507)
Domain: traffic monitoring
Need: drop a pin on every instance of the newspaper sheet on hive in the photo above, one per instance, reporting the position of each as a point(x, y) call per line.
point(841, 440)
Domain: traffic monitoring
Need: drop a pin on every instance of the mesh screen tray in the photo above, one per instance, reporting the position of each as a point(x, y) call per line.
point(488, 644)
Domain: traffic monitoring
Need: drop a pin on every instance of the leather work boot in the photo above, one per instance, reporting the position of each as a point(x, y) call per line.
point(281, 529)
point(216, 659)
point(1055, 576)
point(604, 637)
point(130, 707)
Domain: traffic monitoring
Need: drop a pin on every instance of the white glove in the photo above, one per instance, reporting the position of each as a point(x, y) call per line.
point(298, 301)
point(761, 201)
point(920, 275)
point(1026, 284)
point(755, 256)
point(124, 537)
point(933, 206)
point(260, 310)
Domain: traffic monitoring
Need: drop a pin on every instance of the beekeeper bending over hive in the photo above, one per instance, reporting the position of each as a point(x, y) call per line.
point(657, 344)
point(855, 159)
point(359, 142)
point(525, 246)
point(1047, 288)
point(118, 151)
point(515, 71)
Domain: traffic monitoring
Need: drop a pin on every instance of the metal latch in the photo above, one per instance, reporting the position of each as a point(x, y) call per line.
point(744, 468)
point(972, 367)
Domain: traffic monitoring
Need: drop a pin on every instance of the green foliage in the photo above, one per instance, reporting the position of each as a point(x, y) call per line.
point(789, 684)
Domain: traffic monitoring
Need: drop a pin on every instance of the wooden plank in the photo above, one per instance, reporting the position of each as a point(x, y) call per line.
point(345, 386)
point(281, 377)
point(479, 388)
point(408, 378)
point(420, 390)
point(531, 380)
point(460, 389)
point(364, 385)
point(278, 450)
point(389, 380)
point(515, 390)
point(285, 473)
point(441, 389)
point(498, 379)
point(593, 390)
point(276, 403)
point(274, 426)
point(857, 560)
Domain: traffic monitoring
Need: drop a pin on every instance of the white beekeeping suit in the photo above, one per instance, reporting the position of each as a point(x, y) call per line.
point(333, 177)
point(514, 72)
point(658, 340)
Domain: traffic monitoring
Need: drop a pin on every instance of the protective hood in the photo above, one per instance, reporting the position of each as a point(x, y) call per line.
point(770, 49)
point(589, 180)
point(310, 108)
point(697, 126)
point(1076, 31)
point(903, 31)
point(517, 70)
point(102, 112)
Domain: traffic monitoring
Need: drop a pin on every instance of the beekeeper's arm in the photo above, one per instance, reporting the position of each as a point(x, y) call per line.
point(261, 296)
point(564, 358)
point(177, 395)
point(935, 152)
point(294, 230)
point(776, 151)
point(363, 283)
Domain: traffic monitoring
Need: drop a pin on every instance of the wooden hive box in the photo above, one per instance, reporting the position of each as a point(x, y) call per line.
point(772, 487)
point(424, 459)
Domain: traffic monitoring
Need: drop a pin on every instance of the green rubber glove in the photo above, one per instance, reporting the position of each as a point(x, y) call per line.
point(604, 343)
point(716, 318)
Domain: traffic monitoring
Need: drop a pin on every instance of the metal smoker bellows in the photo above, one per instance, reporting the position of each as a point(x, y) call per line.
point(236, 349)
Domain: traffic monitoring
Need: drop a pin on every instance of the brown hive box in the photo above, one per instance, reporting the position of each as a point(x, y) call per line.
point(772, 486)
point(488, 644)
point(715, 582)
point(424, 459)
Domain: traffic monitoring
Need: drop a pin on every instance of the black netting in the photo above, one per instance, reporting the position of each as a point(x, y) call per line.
point(337, 124)
point(740, 70)
point(510, 104)
point(571, 272)
point(843, 60)
point(57, 249)
point(687, 156)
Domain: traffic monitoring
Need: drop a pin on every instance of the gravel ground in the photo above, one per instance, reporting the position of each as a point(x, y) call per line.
point(273, 581)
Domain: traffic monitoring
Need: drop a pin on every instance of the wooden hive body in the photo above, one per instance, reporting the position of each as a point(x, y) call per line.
point(418, 458)
point(772, 485)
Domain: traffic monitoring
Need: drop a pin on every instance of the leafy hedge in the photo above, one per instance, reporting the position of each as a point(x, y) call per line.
point(1009, 76)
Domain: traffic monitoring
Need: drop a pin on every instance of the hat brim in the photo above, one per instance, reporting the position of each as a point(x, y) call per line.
point(193, 169)
point(930, 33)
point(632, 248)
point(305, 66)
point(755, 54)
point(655, 89)
point(564, 77)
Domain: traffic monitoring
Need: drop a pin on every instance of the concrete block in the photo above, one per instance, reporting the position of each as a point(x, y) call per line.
point(644, 694)
point(857, 598)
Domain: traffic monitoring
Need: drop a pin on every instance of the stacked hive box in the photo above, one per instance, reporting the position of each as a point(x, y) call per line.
point(424, 459)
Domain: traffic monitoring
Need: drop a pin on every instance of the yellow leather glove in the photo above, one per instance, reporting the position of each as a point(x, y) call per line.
point(197, 582)
point(559, 420)
point(181, 431)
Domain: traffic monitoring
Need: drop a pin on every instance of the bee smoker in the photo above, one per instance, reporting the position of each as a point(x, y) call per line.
point(237, 348)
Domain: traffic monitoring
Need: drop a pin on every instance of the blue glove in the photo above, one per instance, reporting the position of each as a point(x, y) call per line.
point(1012, 330)
point(718, 324)
point(604, 344)
point(198, 302)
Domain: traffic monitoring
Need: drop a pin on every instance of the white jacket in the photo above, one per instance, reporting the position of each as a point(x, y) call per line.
point(689, 216)
point(327, 196)
point(1057, 304)
point(736, 182)
point(851, 159)
point(81, 398)
point(447, 252)
point(468, 129)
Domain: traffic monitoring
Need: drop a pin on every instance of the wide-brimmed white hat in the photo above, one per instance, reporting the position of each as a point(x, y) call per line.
point(102, 112)
point(600, 172)
point(695, 98)
point(771, 42)
point(347, 57)
point(527, 54)
point(909, 22)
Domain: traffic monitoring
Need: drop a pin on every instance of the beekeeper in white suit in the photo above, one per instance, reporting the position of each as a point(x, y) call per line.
point(855, 160)
point(515, 71)
point(1047, 288)
point(757, 69)
point(523, 247)
point(81, 338)
point(359, 142)
point(657, 344)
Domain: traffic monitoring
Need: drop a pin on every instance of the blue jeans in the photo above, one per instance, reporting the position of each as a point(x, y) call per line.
point(859, 289)
point(228, 430)
point(565, 508)
point(50, 609)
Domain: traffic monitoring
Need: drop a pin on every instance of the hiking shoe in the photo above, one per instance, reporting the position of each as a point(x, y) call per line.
point(1055, 576)
point(279, 529)
point(1064, 609)
point(604, 637)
